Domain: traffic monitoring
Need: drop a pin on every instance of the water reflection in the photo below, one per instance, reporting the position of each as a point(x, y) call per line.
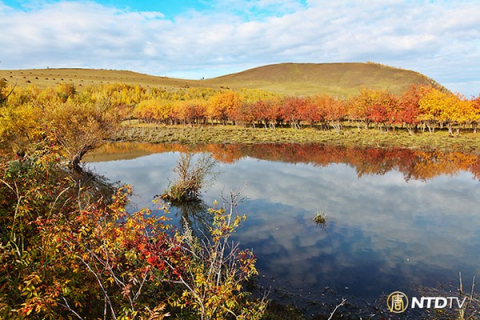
point(412, 164)
point(193, 214)
point(394, 223)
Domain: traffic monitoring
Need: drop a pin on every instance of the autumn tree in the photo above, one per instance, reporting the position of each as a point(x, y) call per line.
point(334, 111)
point(408, 111)
point(197, 110)
point(359, 106)
point(224, 106)
point(432, 106)
point(248, 113)
point(290, 110)
point(269, 112)
point(377, 106)
point(476, 110)
point(21, 127)
point(464, 113)
point(310, 112)
point(79, 127)
point(154, 110)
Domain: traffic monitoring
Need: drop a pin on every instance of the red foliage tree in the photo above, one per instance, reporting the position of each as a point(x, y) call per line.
point(289, 111)
point(309, 111)
point(408, 108)
point(333, 110)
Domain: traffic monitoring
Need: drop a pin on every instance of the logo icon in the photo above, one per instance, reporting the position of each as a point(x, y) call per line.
point(397, 302)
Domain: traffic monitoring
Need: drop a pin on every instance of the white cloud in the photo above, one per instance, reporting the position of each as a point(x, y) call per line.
point(439, 39)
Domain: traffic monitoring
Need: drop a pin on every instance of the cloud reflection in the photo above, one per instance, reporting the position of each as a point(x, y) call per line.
point(382, 232)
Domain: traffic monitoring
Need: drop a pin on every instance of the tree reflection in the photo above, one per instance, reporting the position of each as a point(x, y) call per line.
point(417, 165)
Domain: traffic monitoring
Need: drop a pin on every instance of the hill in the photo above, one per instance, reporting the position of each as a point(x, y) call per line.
point(338, 79)
point(43, 78)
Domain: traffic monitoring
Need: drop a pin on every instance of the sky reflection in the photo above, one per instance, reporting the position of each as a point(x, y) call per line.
point(383, 232)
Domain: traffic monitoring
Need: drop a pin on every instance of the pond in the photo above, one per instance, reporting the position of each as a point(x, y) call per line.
point(395, 219)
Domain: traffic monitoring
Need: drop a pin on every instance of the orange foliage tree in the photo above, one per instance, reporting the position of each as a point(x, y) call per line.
point(224, 106)
point(334, 111)
point(290, 111)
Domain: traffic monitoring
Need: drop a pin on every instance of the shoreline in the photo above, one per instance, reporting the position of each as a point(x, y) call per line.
point(467, 142)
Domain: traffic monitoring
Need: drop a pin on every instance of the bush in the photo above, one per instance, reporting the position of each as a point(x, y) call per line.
point(67, 250)
point(191, 178)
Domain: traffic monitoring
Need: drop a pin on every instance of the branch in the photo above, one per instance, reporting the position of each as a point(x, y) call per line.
point(107, 298)
point(66, 305)
point(8, 95)
point(338, 306)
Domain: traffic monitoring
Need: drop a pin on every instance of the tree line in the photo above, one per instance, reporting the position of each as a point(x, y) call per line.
point(419, 108)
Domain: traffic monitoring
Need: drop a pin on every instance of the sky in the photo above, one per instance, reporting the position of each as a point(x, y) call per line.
point(197, 39)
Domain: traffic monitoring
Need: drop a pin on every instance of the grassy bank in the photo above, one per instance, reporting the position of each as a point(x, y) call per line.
point(467, 142)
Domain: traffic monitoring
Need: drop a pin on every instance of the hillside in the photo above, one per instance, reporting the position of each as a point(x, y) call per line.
point(338, 79)
point(43, 78)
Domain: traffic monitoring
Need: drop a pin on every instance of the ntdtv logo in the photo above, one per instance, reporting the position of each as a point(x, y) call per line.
point(398, 302)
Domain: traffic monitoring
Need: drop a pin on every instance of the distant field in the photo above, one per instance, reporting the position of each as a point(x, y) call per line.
point(43, 78)
point(301, 79)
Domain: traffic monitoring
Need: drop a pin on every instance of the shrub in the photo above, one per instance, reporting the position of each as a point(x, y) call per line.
point(69, 250)
point(191, 177)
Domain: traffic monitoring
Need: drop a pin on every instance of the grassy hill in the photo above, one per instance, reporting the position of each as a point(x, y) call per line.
point(43, 78)
point(338, 79)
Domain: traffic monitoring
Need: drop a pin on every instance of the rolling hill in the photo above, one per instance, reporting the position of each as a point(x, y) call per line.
point(338, 79)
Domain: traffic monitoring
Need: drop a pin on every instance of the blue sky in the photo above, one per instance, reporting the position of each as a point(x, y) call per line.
point(195, 39)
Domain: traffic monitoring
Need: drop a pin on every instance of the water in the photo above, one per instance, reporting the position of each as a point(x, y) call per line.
point(395, 220)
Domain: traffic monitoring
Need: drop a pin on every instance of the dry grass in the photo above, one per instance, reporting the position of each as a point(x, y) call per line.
point(337, 79)
point(440, 141)
point(81, 78)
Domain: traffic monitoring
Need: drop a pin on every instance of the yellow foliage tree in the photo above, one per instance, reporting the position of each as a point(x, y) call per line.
point(433, 106)
point(158, 110)
point(79, 127)
point(224, 106)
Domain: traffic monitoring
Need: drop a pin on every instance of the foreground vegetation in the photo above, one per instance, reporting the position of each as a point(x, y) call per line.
point(69, 249)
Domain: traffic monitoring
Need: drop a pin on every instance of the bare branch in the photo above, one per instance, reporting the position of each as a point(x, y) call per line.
point(338, 306)
point(66, 305)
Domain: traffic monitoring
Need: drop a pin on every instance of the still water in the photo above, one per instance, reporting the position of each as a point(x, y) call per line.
point(395, 219)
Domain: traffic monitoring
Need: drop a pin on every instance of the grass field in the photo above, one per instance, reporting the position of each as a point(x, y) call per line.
point(440, 141)
point(44, 78)
point(300, 79)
